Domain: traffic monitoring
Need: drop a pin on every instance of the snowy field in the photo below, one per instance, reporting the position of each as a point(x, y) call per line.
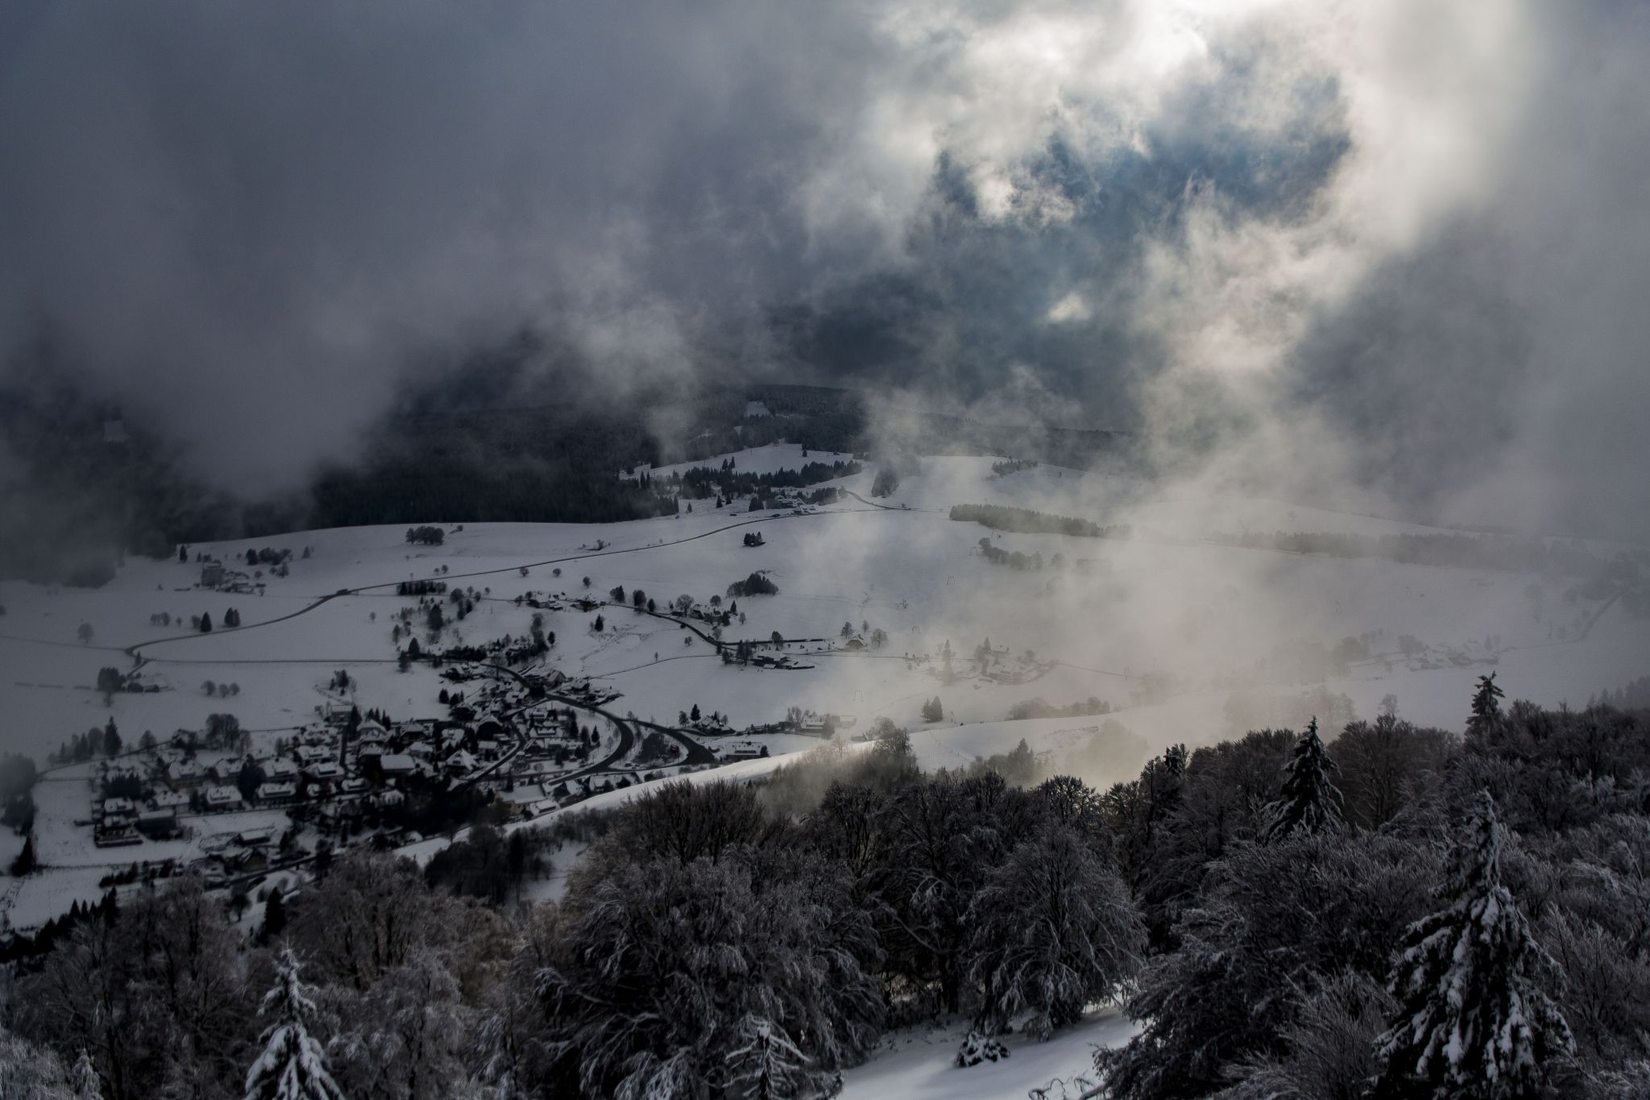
point(768, 459)
point(1218, 621)
point(1181, 638)
point(918, 1065)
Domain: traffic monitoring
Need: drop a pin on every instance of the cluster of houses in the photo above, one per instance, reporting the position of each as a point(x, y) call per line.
point(337, 765)
point(339, 774)
point(816, 724)
point(216, 575)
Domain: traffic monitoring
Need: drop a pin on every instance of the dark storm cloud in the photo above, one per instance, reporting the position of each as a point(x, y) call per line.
point(1496, 371)
point(1406, 242)
point(266, 214)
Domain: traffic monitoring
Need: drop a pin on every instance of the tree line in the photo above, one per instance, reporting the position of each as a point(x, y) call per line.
point(1552, 557)
point(1000, 517)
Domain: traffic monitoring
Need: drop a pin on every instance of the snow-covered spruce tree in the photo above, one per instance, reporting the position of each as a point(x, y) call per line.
point(83, 1078)
point(1486, 707)
point(766, 1065)
point(293, 1065)
point(1308, 803)
point(1053, 930)
point(1472, 1021)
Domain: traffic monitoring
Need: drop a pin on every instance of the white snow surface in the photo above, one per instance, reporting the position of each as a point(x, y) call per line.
point(767, 459)
point(917, 1065)
point(1212, 618)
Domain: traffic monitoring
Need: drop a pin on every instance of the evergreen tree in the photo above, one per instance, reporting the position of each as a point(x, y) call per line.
point(206, 623)
point(26, 862)
point(293, 1064)
point(1472, 1021)
point(84, 1080)
point(1308, 802)
point(767, 1066)
point(274, 916)
point(1486, 707)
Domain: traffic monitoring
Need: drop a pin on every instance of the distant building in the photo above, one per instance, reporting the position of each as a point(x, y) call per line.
point(224, 798)
point(277, 793)
point(114, 810)
point(211, 574)
point(397, 763)
point(159, 824)
point(183, 775)
point(170, 800)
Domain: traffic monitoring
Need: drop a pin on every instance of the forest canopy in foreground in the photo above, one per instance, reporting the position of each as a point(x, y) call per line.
point(1397, 911)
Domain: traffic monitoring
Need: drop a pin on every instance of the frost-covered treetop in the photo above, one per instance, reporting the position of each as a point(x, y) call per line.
point(293, 1064)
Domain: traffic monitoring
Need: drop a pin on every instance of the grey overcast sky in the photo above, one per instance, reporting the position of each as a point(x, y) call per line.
point(1401, 244)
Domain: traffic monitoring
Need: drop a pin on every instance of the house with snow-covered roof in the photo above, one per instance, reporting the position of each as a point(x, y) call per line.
point(277, 793)
point(220, 799)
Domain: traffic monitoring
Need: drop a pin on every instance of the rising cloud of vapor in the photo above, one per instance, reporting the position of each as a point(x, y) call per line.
point(1393, 245)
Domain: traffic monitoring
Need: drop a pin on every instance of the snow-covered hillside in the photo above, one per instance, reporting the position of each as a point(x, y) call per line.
point(1096, 652)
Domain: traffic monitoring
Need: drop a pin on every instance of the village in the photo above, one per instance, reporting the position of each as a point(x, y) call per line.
point(386, 688)
point(514, 746)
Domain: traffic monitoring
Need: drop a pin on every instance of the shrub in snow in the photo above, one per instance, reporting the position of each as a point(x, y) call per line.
point(1472, 1018)
point(977, 1048)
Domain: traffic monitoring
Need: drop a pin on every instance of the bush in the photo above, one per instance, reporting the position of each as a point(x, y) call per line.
point(977, 1048)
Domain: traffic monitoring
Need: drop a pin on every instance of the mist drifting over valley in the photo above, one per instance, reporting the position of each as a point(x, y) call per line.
point(966, 505)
